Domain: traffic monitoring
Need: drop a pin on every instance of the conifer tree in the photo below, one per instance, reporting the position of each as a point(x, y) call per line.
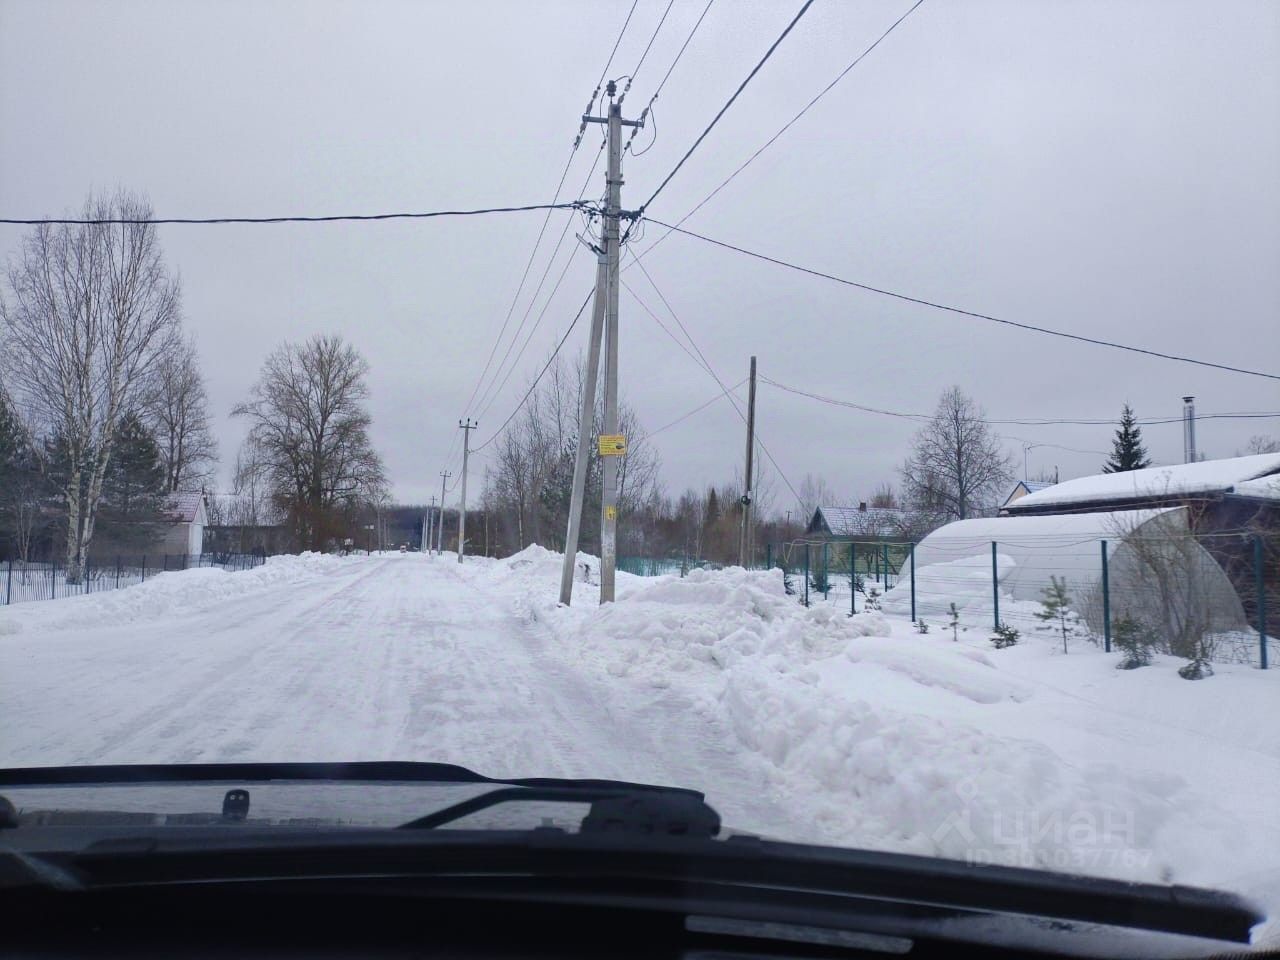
point(1127, 450)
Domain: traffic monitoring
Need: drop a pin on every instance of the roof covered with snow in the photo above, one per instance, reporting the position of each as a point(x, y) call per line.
point(856, 522)
point(185, 507)
point(1179, 480)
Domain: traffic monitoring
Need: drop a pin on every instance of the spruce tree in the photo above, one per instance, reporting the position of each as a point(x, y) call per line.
point(1127, 451)
point(133, 487)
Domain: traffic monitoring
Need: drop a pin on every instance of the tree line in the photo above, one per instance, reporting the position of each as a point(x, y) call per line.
point(104, 411)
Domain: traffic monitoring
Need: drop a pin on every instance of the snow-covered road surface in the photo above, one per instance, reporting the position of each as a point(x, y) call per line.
point(803, 724)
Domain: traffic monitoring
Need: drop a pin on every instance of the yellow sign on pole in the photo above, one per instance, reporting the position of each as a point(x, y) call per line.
point(611, 513)
point(613, 445)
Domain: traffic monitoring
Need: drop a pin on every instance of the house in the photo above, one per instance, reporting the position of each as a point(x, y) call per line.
point(185, 519)
point(1024, 487)
point(860, 523)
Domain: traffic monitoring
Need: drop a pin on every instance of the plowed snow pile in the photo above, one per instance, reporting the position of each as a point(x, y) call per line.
point(874, 736)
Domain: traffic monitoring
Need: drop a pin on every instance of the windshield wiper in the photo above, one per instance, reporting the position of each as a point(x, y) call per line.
point(376, 771)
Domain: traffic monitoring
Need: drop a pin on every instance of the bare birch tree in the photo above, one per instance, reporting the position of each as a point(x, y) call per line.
point(92, 311)
point(310, 432)
point(177, 411)
point(956, 468)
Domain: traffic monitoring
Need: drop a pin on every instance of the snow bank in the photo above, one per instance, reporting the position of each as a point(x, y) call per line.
point(875, 740)
point(176, 592)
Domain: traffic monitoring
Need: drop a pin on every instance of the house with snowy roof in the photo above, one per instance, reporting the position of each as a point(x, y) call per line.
point(1024, 487)
point(184, 518)
point(845, 524)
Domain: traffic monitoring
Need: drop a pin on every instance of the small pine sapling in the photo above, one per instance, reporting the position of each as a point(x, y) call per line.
point(873, 599)
point(954, 623)
point(1004, 636)
point(1056, 606)
point(1134, 641)
point(921, 627)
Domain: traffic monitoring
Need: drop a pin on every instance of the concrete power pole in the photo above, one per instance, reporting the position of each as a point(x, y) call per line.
point(431, 527)
point(744, 540)
point(466, 429)
point(612, 444)
point(444, 483)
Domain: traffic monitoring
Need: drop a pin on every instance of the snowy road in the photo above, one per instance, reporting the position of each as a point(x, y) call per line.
point(799, 723)
point(376, 658)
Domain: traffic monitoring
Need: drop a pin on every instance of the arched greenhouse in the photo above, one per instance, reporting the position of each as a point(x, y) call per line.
point(1158, 574)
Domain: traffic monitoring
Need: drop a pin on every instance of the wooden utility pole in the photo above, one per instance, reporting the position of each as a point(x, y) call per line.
point(744, 538)
point(466, 429)
point(612, 444)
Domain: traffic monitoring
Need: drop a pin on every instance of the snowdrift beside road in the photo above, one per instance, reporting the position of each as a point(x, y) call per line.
point(164, 594)
point(894, 742)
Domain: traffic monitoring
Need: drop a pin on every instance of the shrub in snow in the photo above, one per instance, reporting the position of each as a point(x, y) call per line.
point(954, 624)
point(873, 599)
point(1197, 669)
point(788, 582)
point(1134, 641)
point(819, 581)
point(1004, 636)
point(1056, 606)
point(921, 627)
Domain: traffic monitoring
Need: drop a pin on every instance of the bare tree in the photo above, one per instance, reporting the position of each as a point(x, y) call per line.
point(93, 310)
point(177, 410)
point(310, 433)
point(1260, 443)
point(956, 468)
point(814, 493)
point(884, 497)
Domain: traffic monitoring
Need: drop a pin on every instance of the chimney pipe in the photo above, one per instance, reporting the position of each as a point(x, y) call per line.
point(1189, 429)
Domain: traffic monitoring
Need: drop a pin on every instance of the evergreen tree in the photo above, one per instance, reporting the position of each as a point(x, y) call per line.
point(1127, 451)
point(1056, 606)
point(133, 487)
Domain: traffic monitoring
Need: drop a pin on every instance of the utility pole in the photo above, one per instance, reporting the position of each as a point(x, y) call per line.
point(612, 444)
point(431, 518)
point(444, 483)
point(744, 539)
point(466, 429)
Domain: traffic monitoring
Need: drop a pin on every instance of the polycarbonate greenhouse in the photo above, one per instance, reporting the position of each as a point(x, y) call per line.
point(1158, 573)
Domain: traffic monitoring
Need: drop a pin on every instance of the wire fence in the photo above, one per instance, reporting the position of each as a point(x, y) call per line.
point(1208, 598)
point(47, 580)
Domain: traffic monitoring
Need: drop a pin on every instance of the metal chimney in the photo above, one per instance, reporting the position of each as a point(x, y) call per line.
point(1189, 429)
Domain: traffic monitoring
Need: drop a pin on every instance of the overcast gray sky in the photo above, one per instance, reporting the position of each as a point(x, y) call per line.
point(1108, 168)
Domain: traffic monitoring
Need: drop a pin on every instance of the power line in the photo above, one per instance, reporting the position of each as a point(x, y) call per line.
point(645, 113)
point(577, 316)
point(614, 51)
point(261, 220)
point(698, 409)
point(645, 55)
point(1027, 422)
point(702, 136)
point(490, 392)
point(705, 364)
point(962, 312)
point(787, 126)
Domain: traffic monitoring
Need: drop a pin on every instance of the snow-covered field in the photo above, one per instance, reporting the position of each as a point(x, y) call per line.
point(800, 724)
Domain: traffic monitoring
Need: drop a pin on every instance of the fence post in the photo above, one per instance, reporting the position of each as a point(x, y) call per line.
point(1260, 586)
point(768, 556)
point(884, 548)
point(853, 582)
point(184, 560)
point(84, 572)
point(117, 571)
point(826, 571)
point(1106, 601)
point(8, 590)
point(806, 574)
point(913, 583)
point(995, 585)
point(144, 568)
point(53, 581)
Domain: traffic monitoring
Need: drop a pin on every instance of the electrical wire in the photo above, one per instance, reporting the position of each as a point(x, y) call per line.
point(261, 220)
point(716, 119)
point(962, 312)
point(705, 364)
point(649, 110)
point(698, 409)
point(523, 400)
point(787, 126)
point(1028, 422)
point(631, 77)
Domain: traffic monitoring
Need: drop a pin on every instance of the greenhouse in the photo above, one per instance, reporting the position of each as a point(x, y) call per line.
point(1157, 573)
